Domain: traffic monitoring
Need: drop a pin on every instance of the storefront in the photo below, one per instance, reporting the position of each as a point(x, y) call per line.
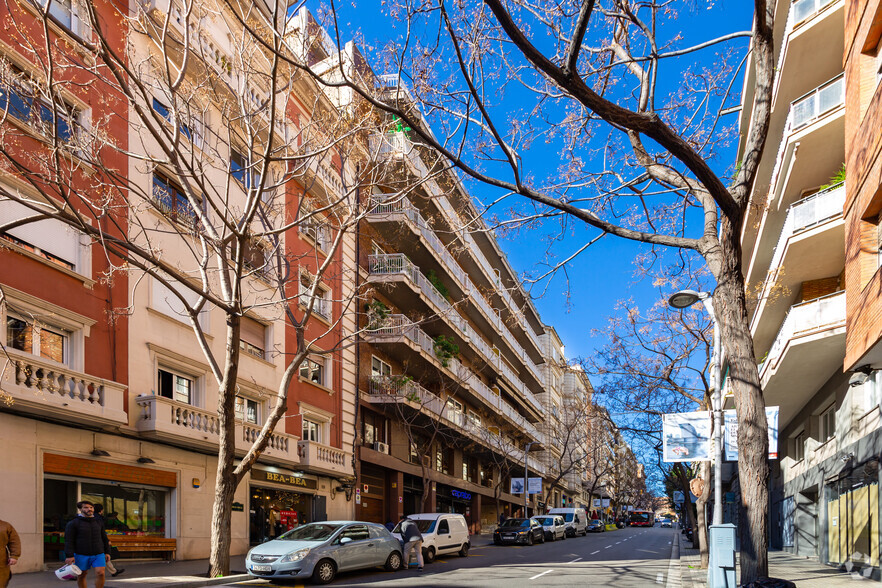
point(453, 500)
point(279, 502)
point(413, 494)
point(853, 521)
point(136, 500)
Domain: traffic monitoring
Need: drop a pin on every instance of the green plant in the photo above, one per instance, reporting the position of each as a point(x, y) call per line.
point(445, 349)
point(439, 285)
point(377, 313)
point(836, 178)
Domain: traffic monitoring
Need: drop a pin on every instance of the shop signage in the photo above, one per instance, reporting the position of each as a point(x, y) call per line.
point(238, 507)
point(461, 494)
point(288, 480)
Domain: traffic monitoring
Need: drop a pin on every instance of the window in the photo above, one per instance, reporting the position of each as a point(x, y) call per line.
point(314, 228)
point(356, 533)
point(246, 410)
point(444, 527)
point(36, 339)
point(48, 239)
point(469, 469)
point(67, 13)
point(443, 460)
point(312, 431)
point(828, 423)
point(244, 170)
point(380, 368)
point(19, 97)
point(191, 131)
point(252, 337)
point(176, 386)
point(455, 411)
point(373, 428)
point(475, 418)
point(313, 370)
point(799, 446)
point(322, 304)
point(170, 199)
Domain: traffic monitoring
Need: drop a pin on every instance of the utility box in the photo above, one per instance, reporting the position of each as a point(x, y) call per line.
point(722, 556)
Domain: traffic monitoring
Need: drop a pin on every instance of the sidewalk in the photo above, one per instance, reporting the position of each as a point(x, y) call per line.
point(805, 573)
point(177, 574)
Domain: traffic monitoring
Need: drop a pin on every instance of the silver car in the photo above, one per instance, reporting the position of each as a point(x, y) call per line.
point(320, 550)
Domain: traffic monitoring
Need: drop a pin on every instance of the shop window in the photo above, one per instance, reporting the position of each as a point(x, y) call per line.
point(273, 512)
point(380, 368)
point(312, 431)
point(247, 410)
point(176, 386)
point(252, 337)
point(37, 339)
point(171, 201)
point(828, 423)
point(314, 370)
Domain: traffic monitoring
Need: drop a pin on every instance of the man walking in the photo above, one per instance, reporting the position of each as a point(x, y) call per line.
point(10, 551)
point(413, 539)
point(99, 514)
point(86, 544)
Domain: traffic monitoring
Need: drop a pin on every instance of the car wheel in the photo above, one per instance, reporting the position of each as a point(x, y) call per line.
point(530, 539)
point(393, 562)
point(497, 542)
point(542, 538)
point(429, 555)
point(324, 572)
point(464, 550)
point(552, 536)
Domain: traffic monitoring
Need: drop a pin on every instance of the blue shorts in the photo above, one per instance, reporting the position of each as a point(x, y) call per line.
point(84, 562)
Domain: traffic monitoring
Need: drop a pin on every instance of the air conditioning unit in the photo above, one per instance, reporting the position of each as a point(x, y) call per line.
point(381, 447)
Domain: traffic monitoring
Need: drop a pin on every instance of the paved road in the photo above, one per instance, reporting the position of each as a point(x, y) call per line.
point(631, 557)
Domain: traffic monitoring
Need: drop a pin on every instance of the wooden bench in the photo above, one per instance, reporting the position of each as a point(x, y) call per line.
point(130, 543)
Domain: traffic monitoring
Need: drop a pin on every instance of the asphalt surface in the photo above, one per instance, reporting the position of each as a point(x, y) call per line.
point(630, 557)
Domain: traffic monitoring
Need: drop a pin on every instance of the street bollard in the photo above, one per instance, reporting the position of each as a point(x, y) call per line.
point(721, 568)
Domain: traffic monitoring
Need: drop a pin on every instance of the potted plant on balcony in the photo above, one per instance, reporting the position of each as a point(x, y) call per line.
point(445, 349)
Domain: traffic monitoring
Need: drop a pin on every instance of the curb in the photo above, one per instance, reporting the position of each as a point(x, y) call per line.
point(179, 581)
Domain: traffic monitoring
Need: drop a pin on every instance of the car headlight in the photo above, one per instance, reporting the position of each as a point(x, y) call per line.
point(295, 556)
point(522, 532)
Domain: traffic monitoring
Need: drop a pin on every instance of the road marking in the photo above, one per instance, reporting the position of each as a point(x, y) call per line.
point(542, 574)
point(575, 560)
point(660, 578)
point(617, 542)
point(593, 552)
point(608, 546)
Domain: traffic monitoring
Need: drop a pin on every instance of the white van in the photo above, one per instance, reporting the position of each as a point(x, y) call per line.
point(442, 533)
point(575, 518)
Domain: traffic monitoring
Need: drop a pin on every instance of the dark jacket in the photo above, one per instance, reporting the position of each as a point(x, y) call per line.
point(10, 544)
point(85, 536)
point(410, 532)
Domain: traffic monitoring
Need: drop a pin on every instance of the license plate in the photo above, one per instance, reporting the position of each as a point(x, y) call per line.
point(509, 536)
point(255, 568)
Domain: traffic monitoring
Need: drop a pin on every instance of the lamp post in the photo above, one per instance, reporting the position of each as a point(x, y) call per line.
point(527, 476)
point(685, 299)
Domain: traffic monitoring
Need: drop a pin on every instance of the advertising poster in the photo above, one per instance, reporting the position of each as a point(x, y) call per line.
point(517, 486)
point(686, 436)
point(731, 433)
point(534, 486)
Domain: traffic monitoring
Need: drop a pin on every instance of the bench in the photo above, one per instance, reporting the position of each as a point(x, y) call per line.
point(132, 543)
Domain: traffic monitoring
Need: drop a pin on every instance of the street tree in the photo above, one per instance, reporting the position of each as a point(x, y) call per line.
point(214, 159)
point(494, 84)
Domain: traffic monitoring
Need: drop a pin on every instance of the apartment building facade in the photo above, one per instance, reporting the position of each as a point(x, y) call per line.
point(801, 255)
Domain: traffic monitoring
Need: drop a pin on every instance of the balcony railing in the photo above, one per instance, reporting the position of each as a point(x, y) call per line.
point(188, 425)
point(803, 9)
point(42, 387)
point(324, 458)
point(823, 99)
point(812, 315)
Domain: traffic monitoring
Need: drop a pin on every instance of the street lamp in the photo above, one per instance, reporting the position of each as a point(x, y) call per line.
point(527, 476)
point(685, 299)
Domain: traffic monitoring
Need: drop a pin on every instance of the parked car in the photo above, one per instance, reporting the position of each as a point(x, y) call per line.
point(526, 531)
point(596, 526)
point(320, 550)
point(553, 525)
point(575, 518)
point(443, 533)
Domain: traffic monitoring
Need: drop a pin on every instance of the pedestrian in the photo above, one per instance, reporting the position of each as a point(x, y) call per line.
point(86, 544)
point(10, 551)
point(413, 539)
point(390, 526)
point(502, 517)
point(99, 514)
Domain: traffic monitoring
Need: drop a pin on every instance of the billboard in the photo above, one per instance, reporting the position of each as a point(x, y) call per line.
point(686, 436)
point(534, 486)
point(731, 433)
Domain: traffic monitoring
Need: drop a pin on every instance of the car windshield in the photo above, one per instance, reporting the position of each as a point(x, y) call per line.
point(516, 523)
point(310, 532)
point(568, 517)
point(424, 525)
point(545, 520)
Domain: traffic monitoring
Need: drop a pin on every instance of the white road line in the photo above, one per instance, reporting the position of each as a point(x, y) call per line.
point(617, 542)
point(575, 560)
point(593, 552)
point(608, 546)
point(660, 578)
point(542, 574)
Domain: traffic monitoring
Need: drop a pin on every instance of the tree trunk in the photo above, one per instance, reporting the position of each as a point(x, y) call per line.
point(701, 507)
point(753, 440)
point(684, 487)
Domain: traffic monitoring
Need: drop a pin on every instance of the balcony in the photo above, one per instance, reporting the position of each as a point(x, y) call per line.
point(398, 329)
point(809, 247)
point(40, 387)
point(324, 459)
point(186, 426)
point(809, 348)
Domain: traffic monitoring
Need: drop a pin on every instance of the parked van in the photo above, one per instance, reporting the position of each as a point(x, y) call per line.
point(443, 533)
point(575, 518)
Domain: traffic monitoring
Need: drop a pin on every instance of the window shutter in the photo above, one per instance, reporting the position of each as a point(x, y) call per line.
point(50, 235)
point(253, 332)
